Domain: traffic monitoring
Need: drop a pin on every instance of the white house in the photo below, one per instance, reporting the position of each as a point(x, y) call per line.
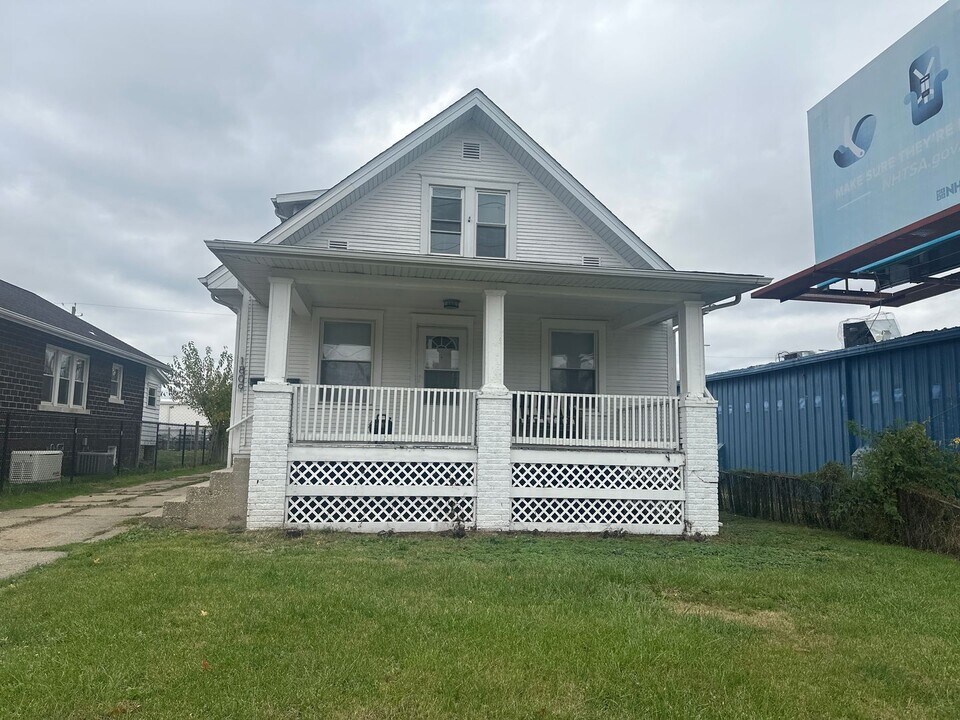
point(153, 382)
point(173, 412)
point(459, 332)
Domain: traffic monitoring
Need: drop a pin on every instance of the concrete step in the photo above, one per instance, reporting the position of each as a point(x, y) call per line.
point(218, 502)
point(200, 491)
point(175, 510)
point(221, 481)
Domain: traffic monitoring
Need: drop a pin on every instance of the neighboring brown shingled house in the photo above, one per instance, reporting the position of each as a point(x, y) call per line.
point(64, 383)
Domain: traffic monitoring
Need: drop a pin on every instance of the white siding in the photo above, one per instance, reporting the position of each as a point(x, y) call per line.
point(637, 362)
point(255, 346)
point(151, 415)
point(300, 349)
point(634, 361)
point(388, 219)
point(397, 354)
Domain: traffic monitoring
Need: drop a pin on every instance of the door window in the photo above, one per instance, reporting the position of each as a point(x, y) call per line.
point(573, 366)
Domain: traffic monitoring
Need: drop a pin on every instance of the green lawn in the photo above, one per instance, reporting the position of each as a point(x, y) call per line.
point(769, 621)
point(13, 497)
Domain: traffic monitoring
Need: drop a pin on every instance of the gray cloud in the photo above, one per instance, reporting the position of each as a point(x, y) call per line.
point(130, 133)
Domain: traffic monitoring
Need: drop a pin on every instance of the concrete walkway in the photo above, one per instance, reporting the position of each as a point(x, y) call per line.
point(27, 535)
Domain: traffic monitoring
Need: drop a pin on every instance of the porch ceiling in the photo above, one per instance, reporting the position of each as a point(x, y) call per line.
point(253, 265)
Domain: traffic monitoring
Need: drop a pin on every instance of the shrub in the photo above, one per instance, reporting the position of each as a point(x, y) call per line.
point(867, 501)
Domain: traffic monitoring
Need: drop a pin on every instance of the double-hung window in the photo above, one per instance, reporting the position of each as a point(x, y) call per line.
point(446, 220)
point(573, 362)
point(346, 352)
point(65, 376)
point(116, 383)
point(151, 396)
point(469, 218)
point(573, 356)
point(491, 224)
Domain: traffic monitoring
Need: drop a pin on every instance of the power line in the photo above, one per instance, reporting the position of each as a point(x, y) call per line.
point(126, 307)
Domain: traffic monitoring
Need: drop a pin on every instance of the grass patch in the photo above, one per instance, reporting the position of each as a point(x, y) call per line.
point(768, 621)
point(14, 497)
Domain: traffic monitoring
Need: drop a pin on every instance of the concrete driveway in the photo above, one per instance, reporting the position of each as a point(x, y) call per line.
point(27, 535)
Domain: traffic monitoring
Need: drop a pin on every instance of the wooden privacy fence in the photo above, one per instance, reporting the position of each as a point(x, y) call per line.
point(782, 498)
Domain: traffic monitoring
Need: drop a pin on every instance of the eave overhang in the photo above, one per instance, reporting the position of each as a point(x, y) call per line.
point(253, 264)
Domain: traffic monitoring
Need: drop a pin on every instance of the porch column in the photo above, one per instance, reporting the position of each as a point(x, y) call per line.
point(692, 368)
point(272, 402)
point(698, 428)
point(493, 423)
point(267, 486)
point(493, 309)
point(278, 329)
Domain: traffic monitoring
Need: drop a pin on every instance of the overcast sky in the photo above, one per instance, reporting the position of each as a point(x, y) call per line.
point(131, 131)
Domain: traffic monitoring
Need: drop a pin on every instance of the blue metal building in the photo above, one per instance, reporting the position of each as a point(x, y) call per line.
point(791, 417)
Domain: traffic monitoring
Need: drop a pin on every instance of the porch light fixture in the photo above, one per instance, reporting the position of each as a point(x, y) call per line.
point(451, 304)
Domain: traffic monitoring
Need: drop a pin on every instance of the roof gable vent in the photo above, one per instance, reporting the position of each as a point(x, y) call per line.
point(338, 245)
point(591, 261)
point(471, 150)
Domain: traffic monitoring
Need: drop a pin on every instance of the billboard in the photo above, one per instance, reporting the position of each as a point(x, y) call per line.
point(885, 145)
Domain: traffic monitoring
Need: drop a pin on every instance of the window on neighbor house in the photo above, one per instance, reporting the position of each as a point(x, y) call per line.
point(446, 220)
point(491, 224)
point(346, 353)
point(573, 362)
point(151, 397)
point(64, 382)
point(116, 382)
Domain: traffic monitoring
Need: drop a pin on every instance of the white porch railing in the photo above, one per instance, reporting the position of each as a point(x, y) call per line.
point(616, 421)
point(341, 413)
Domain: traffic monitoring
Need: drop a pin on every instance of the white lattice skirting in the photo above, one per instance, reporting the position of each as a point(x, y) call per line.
point(613, 477)
point(351, 472)
point(370, 495)
point(570, 491)
point(379, 509)
point(597, 511)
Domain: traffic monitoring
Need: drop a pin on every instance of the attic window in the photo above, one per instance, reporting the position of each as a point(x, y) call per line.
point(471, 150)
point(591, 261)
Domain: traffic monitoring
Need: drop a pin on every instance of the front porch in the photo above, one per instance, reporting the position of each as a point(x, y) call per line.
point(371, 459)
point(473, 416)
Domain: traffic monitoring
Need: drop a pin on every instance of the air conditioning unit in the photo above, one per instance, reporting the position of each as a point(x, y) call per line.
point(97, 463)
point(866, 331)
point(794, 354)
point(35, 466)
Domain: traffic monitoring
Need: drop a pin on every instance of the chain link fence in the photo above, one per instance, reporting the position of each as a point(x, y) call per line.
point(50, 447)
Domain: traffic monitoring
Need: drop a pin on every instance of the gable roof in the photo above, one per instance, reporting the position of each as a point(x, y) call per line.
point(478, 108)
point(27, 308)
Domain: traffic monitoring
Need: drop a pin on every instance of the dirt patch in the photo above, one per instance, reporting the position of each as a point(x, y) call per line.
point(763, 619)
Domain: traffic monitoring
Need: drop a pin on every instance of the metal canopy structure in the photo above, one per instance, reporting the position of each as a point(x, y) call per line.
point(909, 264)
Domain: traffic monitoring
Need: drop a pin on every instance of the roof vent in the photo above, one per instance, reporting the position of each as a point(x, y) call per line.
point(591, 261)
point(471, 150)
point(338, 245)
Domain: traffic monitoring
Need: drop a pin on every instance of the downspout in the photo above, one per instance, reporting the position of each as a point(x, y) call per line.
point(716, 306)
point(709, 309)
point(719, 306)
